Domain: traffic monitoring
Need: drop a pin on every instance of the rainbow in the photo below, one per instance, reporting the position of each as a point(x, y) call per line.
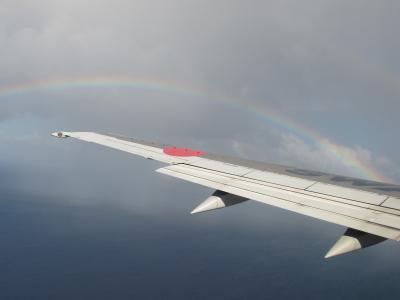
point(342, 153)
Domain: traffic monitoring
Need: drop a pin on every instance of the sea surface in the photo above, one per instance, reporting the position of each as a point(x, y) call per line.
point(53, 250)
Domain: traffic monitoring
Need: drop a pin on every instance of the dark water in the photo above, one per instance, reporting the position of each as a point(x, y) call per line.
point(56, 251)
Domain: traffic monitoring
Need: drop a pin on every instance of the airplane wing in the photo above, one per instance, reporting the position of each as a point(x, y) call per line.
point(370, 210)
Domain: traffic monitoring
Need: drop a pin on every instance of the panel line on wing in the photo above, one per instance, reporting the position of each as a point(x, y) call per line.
point(307, 200)
point(302, 208)
point(309, 193)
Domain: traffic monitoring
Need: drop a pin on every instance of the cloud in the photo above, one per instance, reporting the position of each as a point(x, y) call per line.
point(322, 157)
point(290, 150)
point(331, 66)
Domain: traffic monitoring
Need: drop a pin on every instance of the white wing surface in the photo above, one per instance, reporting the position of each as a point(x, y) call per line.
point(370, 210)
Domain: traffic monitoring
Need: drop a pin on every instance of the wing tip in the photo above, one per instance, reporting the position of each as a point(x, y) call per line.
point(60, 134)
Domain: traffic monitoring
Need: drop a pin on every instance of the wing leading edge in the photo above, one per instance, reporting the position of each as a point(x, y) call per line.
point(370, 210)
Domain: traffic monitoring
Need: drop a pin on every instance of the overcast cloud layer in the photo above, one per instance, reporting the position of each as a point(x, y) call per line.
point(330, 66)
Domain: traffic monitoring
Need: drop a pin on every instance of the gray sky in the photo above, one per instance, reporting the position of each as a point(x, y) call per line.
point(329, 66)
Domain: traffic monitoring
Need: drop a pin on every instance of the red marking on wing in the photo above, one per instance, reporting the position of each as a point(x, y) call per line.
point(174, 151)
